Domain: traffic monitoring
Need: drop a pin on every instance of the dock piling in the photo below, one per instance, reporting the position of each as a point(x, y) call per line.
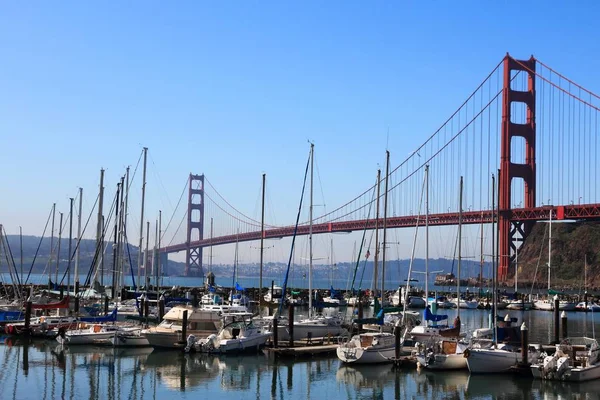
point(184, 326)
point(291, 325)
point(27, 315)
point(524, 343)
point(275, 337)
point(564, 324)
point(161, 308)
point(556, 320)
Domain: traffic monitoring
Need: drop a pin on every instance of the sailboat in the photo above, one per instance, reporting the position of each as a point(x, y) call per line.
point(483, 357)
point(447, 353)
point(547, 304)
point(314, 325)
point(372, 347)
point(236, 296)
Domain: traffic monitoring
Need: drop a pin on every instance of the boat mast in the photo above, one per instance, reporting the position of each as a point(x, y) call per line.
point(427, 235)
point(376, 258)
point(100, 228)
point(60, 219)
point(310, 227)
point(52, 236)
point(146, 277)
point(70, 245)
point(124, 234)
point(115, 251)
point(494, 262)
point(481, 262)
point(140, 249)
point(262, 240)
point(120, 235)
point(21, 245)
point(460, 211)
point(77, 250)
point(154, 250)
point(516, 269)
point(385, 208)
point(158, 271)
point(211, 247)
point(549, 248)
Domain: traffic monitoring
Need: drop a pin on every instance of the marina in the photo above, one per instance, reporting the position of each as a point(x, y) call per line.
point(299, 200)
point(58, 371)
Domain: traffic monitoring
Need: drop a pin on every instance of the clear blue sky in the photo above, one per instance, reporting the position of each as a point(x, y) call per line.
point(235, 89)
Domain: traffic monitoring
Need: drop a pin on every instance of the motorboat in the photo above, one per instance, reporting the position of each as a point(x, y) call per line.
point(368, 348)
point(590, 306)
point(130, 338)
point(274, 295)
point(236, 337)
point(201, 322)
point(468, 304)
point(442, 354)
point(315, 327)
point(548, 305)
point(414, 298)
point(575, 359)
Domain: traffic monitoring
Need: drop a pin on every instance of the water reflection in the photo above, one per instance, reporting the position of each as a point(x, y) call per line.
point(46, 370)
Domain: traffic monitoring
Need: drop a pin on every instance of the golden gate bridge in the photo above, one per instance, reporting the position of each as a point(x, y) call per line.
point(530, 126)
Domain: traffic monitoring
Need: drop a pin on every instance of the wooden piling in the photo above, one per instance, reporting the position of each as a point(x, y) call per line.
point(275, 336)
point(397, 341)
point(106, 306)
point(564, 324)
point(27, 315)
point(524, 343)
point(184, 326)
point(556, 320)
point(291, 325)
point(161, 308)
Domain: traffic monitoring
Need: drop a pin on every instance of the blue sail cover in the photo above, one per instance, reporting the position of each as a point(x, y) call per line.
point(333, 292)
point(212, 289)
point(429, 316)
point(238, 287)
point(107, 318)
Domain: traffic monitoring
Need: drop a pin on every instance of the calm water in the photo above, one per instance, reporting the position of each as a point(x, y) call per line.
point(45, 370)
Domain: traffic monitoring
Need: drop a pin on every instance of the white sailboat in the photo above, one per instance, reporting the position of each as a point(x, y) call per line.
point(485, 357)
point(314, 326)
point(547, 304)
point(448, 353)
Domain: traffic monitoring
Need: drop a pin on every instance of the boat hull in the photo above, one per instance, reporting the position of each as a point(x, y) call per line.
point(75, 338)
point(303, 331)
point(485, 361)
point(572, 375)
point(354, 355)
point(166, 340)
point(130, 340)
point(241, 345)
point(443, 362)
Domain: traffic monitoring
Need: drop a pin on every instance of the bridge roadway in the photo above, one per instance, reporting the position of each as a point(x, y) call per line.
point(568, 212)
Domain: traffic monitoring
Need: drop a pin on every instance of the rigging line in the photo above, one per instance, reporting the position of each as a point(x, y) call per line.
point(229, 204)
point(7, 253)
point(100, 247)
point(557, 87)
point(420, 147)
point(84, 228)
point(321, 187)
point(285, 281)
point(176, 208)
point(39, 245)
point(157, 175)
point(362, 242)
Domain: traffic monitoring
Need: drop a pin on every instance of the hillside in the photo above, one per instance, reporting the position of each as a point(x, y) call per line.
point(571, 243)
